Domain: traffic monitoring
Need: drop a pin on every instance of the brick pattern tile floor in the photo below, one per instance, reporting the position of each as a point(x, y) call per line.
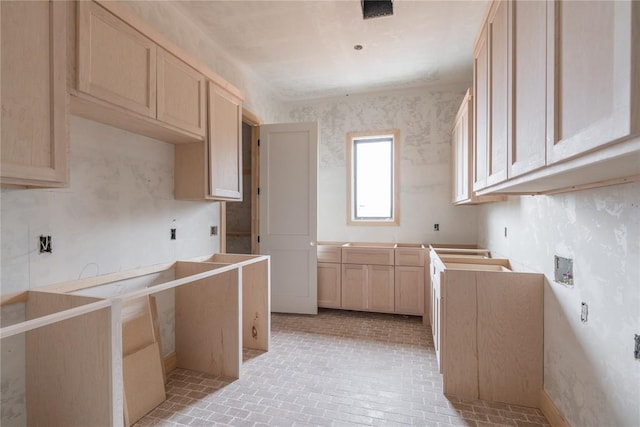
point(338, 368)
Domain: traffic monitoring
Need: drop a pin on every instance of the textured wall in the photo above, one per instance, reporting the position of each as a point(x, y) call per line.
point(590, 372)
point(424, 117)
point(116, 215)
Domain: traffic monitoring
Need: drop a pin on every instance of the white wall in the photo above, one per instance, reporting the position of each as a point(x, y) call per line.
point(590, 371)
point(424, 117)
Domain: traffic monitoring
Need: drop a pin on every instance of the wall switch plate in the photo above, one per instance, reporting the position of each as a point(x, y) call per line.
point(563, 271)
point(214, 230)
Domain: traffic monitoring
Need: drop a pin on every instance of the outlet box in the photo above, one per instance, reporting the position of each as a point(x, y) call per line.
point(584, 312)
point(45, 244)
point(214, 230)
point(173, 234)
point(436, 227)
point(636, 352)
point(563, 271)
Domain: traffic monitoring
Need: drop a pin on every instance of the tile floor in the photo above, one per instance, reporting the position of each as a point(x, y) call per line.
point(339, 368)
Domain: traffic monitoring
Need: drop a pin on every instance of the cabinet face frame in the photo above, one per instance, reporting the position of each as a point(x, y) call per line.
point(622, 119)
point(224, 145)
point(56, 174)
point(168, 112)
point(88, 11)
point(499, 95)
point(522, 60)
point(480, 110)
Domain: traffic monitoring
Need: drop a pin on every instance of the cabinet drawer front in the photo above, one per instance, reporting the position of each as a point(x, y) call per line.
point(116, 63)
point(409, 257)
point(329, 253)
point(375, 256)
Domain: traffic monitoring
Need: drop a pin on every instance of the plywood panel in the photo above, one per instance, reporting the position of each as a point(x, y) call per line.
point(143, 382)
point(137, 326)
point(459, 360)
point(208, 322)
point(256, 313)
point(510, 337)
point(69, 384)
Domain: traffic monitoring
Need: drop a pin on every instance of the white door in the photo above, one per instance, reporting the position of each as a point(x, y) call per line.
point(288, 213)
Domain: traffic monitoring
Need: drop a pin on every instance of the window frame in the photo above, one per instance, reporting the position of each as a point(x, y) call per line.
point(355, 136)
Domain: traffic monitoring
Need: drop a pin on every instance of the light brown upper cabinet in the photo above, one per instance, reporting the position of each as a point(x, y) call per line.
point(480, 110)
point(529, 86)
point(498, 33)
point(597, 75)
point(34, 138)
point(181, 94)
point(461, 149)
point(116, 63)
point(225, 148)
point(129, 80)
point(572, 96)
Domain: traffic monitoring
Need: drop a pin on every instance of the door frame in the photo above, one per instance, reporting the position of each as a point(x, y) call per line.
point(254, 122)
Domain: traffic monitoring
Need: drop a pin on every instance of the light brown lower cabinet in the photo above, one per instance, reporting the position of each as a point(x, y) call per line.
point(409, 290)
point(488, 330)
point(329, 285)
point(368, 287)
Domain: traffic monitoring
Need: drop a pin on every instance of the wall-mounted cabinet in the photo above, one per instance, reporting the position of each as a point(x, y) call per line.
point(130, 77)
point(556, 84)
point(34, 138)
point(461, 156)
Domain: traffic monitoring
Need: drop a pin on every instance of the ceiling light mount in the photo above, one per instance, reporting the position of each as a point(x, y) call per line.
point(376, 8)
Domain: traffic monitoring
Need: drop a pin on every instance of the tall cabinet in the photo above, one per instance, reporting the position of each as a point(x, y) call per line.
point(34, 138)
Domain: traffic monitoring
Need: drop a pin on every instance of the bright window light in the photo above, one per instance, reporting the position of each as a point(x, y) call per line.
point(372, 183)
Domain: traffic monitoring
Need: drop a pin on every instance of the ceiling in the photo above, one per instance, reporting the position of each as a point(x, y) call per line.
point(304, 49)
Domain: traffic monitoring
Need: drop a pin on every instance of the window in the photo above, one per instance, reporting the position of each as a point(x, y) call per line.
point(372, 162)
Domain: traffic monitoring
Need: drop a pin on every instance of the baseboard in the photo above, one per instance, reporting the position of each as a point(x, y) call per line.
point(171, 363)
point(550, 411)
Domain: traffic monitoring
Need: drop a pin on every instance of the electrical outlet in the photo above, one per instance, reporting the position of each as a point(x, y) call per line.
point(584, 312)
point(214, 230)
point(563, 270)
point(45, 244)
point(505, 232)
point(173, 234)
point(436, 227)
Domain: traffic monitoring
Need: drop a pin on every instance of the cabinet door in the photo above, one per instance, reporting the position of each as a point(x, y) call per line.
point(181, 94)
point(380, 282)
point(354, 277)
point(528, 147)
point(225, 144)
point(596, 86)
point(116, 63)
point(34, 139)
point(480, 111)
point(461, 151)
point(499, 78)
point(329, 285)
point(409, 290)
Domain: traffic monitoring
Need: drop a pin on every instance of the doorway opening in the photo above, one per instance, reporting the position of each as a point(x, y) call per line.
point(239, 220)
